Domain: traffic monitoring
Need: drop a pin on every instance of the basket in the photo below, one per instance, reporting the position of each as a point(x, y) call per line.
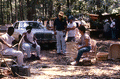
point(114, 51)
point(102, 56)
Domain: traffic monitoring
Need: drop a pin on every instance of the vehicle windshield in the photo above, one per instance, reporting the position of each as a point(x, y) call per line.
point(34, 25)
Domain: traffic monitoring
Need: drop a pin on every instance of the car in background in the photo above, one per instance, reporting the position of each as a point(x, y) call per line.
point(43, 35)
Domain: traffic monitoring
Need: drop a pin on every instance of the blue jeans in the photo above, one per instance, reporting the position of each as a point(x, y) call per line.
point(81, 51)
point(113, 30)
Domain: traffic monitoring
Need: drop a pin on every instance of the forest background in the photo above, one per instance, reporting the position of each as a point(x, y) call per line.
point(13, 10)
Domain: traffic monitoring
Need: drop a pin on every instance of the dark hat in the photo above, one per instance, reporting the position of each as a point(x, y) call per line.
point(70, 17)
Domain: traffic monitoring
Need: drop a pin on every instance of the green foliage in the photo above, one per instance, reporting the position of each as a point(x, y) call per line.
point(45, 9)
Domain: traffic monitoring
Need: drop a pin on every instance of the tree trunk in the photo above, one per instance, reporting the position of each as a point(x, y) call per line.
point(29, 9)
point(68, 3)
point(1, 21)
point(8, 15)
point(50, 9)
point(33, 10)
point(20, 10)
point(16, 12)
point(11, 11)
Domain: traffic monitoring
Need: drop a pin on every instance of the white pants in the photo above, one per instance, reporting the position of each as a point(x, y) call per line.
point(15, 53)
point(60, 41)
point(27, 47)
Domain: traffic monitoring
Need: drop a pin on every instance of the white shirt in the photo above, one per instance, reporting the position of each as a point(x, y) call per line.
point(83, 37)
point(71, 33)
point(8, 39)
point(30, 37)
point(82, 22)
point(112, 24)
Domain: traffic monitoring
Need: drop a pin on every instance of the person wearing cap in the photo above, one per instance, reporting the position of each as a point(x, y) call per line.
point(29, 43)
point(60, 26)
point(71, 29)
point(83, 44)
point(113, 28)
point(107, 32)
point(8, 50)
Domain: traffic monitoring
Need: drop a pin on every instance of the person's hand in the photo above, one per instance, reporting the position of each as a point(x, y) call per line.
point(68, 29)
point(10, 46)
point(79, 47)
point(55, 32)
point(34, 45)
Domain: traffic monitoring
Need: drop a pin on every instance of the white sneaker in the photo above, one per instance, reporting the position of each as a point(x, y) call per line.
point(73, 63)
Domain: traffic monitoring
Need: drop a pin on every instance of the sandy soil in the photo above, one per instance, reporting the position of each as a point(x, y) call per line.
point(53, 66)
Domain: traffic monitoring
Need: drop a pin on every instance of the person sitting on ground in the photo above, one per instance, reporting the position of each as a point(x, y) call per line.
point(83, 44)
point(7, 44)
point(29, 43)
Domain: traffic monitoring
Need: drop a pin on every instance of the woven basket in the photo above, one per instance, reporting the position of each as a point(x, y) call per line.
point(102, 56)
point(114, 51)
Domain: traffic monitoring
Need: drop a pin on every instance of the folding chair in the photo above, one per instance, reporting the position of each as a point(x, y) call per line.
point(2, 58)
point(20, 46)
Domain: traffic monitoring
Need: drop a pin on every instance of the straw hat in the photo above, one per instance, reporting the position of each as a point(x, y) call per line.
point(61, 13)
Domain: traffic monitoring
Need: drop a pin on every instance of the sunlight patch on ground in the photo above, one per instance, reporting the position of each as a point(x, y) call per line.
point(76, 70)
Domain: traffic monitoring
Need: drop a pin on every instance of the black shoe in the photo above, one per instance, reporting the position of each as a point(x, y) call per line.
point(58, 53)
point(61, 54)
point(33, 57)
point(37, 58)
point(28, 59)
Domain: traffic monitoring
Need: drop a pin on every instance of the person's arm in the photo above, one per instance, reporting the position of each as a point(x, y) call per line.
point(111, 19)
point(26, 40)
point(5, 43)
point(73, 28)
point(65, 25)
point(86, 43)
point(54, 29)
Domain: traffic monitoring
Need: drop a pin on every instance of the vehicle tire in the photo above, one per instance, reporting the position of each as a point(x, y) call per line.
point(53, 45)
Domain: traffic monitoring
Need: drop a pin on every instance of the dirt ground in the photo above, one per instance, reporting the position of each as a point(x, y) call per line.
point(53, 66)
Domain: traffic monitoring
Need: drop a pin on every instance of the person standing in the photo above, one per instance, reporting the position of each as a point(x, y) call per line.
point(30, 43)
point(7, 37)
point(113, 28)
point(48, 25)
point(107, 32)
point(60, 27)
point(71, 29)
point(83, 44)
